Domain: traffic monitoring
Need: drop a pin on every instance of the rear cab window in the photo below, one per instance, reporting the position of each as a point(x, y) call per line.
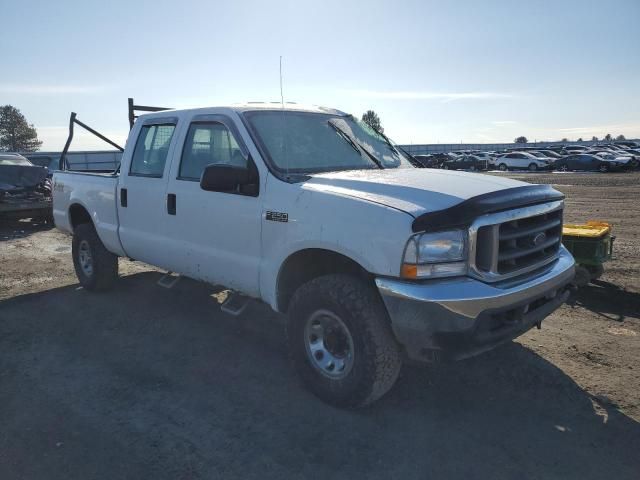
point(151, 150)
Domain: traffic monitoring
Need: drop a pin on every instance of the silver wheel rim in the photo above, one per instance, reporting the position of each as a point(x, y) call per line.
point(503, 167)
point(84, 258)
point(329, 344)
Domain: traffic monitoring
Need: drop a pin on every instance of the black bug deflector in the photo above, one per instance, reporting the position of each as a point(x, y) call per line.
point(462, 214)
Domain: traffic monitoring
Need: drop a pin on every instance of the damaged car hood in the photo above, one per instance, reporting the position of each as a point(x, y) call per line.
point(17, 177)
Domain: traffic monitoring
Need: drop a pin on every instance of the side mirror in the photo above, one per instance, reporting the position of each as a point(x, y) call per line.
point(223, 178)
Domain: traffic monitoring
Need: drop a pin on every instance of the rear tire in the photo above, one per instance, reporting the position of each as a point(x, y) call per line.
point(604, 168)
point(503, 167)
point(96, 267)
point(341, 310)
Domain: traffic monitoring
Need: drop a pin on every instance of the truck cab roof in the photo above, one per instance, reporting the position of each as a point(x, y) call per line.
point(248, 107)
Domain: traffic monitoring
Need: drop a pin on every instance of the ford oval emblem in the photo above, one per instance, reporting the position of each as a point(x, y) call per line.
point(539, 238)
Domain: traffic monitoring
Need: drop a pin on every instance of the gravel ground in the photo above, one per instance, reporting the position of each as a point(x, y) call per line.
point(145, 382)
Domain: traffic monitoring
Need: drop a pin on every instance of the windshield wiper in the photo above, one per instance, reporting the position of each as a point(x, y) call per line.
point(412, 159)
point(398, 149)
point(356, 146)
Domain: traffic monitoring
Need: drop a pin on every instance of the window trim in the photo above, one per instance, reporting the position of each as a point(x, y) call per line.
point(159, 122)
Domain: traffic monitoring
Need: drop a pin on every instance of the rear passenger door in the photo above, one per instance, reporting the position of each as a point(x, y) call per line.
point(214, 236)
point(141, 190)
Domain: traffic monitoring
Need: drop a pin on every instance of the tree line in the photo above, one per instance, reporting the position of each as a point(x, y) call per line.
point(607, 138)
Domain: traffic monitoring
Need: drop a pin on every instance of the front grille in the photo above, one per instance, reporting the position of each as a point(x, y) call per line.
point(511, 243)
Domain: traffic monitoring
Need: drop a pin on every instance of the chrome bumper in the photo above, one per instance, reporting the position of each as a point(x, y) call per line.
point(460, 317)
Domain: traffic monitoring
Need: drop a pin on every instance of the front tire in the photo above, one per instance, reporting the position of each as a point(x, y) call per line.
point(341, 342)
point(502, 167)
point(96, 267)
point(533, 167)
point(604, 168)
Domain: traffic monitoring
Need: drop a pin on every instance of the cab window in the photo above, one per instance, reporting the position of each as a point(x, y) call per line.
point(208, 143)
point(151, 150)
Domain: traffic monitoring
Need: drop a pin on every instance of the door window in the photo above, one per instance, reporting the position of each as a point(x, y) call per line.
point(206, 144)
point(152, 148)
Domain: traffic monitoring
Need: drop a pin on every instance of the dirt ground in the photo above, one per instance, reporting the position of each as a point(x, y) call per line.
point(145, 382)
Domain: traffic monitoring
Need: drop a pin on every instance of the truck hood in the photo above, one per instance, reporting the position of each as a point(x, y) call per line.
point(415, 191)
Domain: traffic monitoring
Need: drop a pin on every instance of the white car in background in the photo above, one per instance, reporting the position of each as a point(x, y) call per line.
point(522, 161)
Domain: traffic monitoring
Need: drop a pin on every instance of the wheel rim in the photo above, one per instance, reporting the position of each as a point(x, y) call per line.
point(84, 258)
point(329, 344)
point(603, 168)
point(503, 167)
point(533, 167)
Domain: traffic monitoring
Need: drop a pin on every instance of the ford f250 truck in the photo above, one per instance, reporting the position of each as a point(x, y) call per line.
point(373, 259)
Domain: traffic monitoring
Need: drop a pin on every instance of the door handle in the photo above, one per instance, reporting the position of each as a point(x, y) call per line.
point(123, 197)
point(171, 203)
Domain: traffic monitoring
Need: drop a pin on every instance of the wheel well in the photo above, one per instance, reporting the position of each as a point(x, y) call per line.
point(305, 265)
point(78, 214)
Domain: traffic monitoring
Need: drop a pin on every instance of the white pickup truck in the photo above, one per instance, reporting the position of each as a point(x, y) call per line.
point(373, 259)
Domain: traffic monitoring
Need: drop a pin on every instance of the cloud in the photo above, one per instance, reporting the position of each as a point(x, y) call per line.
point(445, 97)
point(49, 89)
point(602, 128)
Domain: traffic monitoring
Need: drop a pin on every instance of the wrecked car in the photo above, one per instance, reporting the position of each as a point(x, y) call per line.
point(25, 190)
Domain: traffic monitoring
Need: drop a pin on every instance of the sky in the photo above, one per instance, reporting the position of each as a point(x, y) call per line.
point(435, 71)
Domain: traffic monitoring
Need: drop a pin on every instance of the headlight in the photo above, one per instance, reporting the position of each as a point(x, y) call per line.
point(437, 254)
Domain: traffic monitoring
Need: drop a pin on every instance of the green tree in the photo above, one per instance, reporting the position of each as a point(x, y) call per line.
point(607, 137)
point(594, 139)
point(564, 140)
point(372, 119)
point(521, 140)
point(620, 138)
point(16, 135)
point(580, 140)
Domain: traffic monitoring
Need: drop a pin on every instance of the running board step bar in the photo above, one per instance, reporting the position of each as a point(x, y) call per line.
point(235, 304)
point(169, 279)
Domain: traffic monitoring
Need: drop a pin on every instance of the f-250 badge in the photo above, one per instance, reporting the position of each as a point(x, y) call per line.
point(277, 216)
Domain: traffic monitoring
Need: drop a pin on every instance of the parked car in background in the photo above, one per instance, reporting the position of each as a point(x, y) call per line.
point(25, 190)
point(622, 160)
point(486, 156)
point(547, 154)
point(522, 161)
point(465, 162)
point(586, 162)
point(428, 161)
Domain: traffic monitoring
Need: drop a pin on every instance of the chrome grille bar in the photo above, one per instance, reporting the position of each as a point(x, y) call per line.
point(507, 244)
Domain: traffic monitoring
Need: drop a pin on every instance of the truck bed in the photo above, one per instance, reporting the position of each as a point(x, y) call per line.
point(96, 193)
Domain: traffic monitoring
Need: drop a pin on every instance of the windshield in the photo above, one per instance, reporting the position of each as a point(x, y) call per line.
point(303, 142)
point(14, 160)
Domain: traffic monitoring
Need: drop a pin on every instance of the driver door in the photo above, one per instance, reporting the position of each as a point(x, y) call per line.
point(213, 236)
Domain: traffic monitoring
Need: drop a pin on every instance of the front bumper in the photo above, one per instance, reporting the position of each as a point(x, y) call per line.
point(455, 318)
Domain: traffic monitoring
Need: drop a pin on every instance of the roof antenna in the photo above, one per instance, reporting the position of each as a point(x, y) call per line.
point(281, 94)
point(283, 133)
